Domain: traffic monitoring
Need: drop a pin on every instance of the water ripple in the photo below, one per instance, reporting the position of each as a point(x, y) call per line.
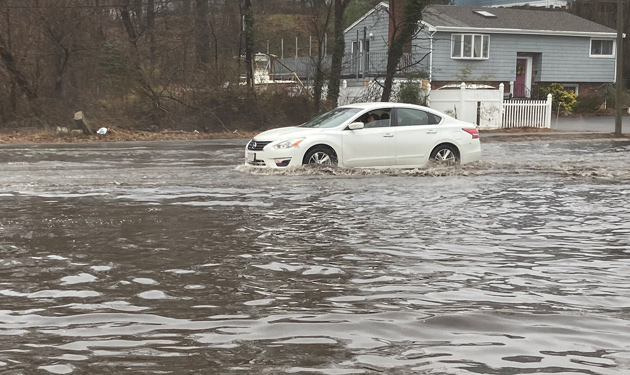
point(514, 265)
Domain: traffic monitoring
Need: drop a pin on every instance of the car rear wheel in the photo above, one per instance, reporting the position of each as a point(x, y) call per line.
point(320, 155)
point(445, 155)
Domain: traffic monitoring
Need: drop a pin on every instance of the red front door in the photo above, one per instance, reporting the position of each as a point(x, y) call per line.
point(520, 85)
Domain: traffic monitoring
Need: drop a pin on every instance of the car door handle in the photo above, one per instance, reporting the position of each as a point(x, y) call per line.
point(388, 135)
point(431, 131)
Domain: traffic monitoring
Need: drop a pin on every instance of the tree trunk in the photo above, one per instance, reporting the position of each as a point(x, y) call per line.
point(62, 55)
point(402, 33)
point(248, 17)
point(338, 51)
point(186, 5)
point(321, 19)
point(202, 33)
point(17, 76)
point(151, 29)
point(318, 83)
point(142, 81)
point(138, 12)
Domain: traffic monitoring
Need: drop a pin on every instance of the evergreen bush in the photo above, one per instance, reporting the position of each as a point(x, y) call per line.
point(561, 97)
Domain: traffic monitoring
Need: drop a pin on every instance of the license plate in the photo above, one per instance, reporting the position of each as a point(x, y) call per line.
point(251, 156)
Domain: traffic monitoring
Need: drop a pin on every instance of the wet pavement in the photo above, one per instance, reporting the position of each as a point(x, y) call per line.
point(605, 124)
point(174, 258)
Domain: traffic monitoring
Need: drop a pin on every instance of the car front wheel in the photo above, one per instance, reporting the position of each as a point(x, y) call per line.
point(445, 155)
point(321, 156)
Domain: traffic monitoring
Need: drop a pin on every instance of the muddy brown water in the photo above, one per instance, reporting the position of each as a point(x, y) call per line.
point(172, 258)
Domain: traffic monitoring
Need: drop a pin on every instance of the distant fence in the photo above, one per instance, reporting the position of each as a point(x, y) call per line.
point(363, 64)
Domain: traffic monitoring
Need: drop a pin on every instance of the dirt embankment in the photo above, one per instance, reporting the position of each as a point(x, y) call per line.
point(113, 135)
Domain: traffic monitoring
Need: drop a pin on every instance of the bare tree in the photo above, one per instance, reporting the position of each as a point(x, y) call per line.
point(202, 33)
point(151, 29)
point(320, 20)
point(402, 31)
point(138, 12)
point(19, 81)
point(248, 25)
point(338, 50)
point(14, 73)
point(141, 78)
point(137, 59)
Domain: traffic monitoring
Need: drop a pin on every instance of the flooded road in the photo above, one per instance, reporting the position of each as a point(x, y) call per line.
point(171, 258)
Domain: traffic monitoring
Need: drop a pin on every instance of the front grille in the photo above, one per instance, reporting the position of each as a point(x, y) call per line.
point(257, 163)
point(257, 145)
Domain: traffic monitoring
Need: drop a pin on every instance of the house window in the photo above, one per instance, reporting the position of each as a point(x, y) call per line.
point(602, 48)
point(359, 46)
point(470, 46)
point(571, 87)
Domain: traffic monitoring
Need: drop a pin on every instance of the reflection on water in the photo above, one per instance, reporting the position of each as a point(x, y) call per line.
point(167, 258)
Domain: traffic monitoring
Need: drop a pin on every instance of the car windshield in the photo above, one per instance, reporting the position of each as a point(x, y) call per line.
point(331, 119)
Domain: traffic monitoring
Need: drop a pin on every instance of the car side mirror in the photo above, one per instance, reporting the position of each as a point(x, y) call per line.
point(356, 125)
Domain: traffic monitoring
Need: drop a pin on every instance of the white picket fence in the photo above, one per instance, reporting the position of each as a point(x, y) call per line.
point(527, 113)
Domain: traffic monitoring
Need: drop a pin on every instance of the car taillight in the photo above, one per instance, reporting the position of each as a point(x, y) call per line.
point(472, 131)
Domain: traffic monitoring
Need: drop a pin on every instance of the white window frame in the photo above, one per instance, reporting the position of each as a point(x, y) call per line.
point(575, 87)
point(599, 55)
point(361, 45)
point(484, 47)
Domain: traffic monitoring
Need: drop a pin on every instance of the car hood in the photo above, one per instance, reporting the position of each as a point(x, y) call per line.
point(286, 133)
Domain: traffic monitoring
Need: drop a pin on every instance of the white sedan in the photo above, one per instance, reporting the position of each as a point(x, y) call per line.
point(380, 135)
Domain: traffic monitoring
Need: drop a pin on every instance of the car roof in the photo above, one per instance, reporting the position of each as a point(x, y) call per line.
point(377, 105)
point(366, 106)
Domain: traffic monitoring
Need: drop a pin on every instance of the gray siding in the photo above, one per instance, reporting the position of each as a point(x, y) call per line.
point(376, 23)
point(559, 59)
point(421, 48)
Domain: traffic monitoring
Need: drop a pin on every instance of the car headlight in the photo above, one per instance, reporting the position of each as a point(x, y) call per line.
point(290, 143)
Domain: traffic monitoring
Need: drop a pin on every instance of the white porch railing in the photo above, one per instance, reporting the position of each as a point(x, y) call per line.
point(527, 113)
point(368, 64)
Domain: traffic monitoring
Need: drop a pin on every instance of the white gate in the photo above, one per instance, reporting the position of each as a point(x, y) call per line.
point(527, 113)
point(479, 106)
point(487, 109)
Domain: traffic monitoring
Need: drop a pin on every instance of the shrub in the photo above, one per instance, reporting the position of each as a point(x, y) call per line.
point(608, 94)
point(410, 92)
point(588, 103)
point(239, 107)
point(561, 97)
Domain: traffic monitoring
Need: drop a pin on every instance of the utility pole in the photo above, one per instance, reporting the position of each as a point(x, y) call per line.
point(619, 82)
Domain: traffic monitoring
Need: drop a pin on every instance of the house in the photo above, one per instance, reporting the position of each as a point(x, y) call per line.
point(521, 48)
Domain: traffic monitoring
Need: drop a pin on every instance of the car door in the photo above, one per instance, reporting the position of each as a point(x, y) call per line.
point(417, 132)
point(372, 146)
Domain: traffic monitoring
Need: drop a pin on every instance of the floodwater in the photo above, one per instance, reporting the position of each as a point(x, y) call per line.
point(172, 258)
